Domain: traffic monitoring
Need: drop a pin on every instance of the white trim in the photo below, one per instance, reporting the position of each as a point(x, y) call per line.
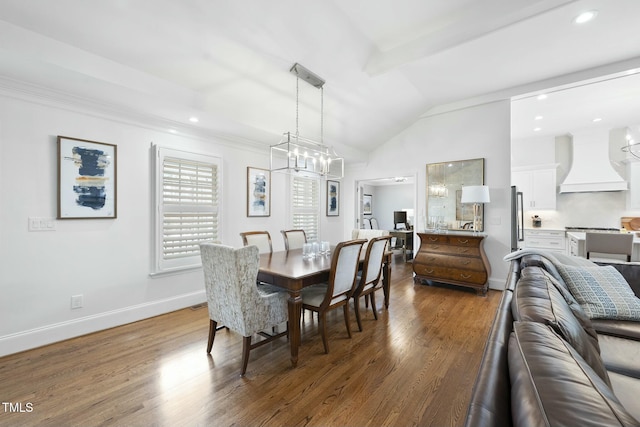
point(37, 337)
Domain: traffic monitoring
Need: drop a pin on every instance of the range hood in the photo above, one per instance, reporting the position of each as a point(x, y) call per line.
point(591, 169)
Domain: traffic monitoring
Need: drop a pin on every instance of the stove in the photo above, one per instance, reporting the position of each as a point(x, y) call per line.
point(593, 229)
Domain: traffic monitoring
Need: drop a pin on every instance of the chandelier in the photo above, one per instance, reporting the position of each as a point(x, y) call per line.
point(632, 147)
point(297, 155)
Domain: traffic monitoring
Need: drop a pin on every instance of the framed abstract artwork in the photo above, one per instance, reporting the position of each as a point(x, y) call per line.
point(87, 179)
point(333, 198)
point(367, 202)
point(258, 192)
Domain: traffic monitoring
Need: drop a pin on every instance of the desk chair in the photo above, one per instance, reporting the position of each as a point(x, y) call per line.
point(234, 300)
point(261, 239)
point(337, 292)
point(374, 224)
point(611, 245)
point(294, 239)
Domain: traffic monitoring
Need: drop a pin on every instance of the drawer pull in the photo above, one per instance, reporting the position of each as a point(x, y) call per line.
point(433, 239)
point(463, 251)
point(465, 276)
point(465, 241)
point(429, 271)
point(466, 262)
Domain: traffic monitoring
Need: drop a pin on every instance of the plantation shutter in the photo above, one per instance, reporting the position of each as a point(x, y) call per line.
point(187, 209)
point(305, 195)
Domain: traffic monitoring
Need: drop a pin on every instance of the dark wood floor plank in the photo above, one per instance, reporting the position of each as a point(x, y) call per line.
point(415, 365)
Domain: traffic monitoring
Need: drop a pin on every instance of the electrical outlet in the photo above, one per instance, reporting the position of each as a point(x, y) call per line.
point(76, 301)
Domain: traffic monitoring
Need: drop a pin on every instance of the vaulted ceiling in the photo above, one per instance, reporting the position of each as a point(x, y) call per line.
point(385, 63)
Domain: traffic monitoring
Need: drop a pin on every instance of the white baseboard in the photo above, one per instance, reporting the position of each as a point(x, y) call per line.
point(37, 337)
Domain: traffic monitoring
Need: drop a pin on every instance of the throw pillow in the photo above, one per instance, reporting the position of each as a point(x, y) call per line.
point(602, 292)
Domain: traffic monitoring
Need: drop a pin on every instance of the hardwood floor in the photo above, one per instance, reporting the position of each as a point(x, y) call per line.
point(414, 366)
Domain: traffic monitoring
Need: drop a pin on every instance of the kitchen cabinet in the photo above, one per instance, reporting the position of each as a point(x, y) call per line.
point(547, 239)
point(538, 187)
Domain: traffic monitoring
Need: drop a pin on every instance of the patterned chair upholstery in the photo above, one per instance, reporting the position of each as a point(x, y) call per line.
point(235, 301)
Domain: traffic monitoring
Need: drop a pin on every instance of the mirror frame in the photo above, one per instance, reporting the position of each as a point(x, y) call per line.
point(460, 214)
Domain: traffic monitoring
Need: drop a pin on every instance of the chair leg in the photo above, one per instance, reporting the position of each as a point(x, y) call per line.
point(346, 317)
point(323, 331)
point(356, 305)
point(246, 348)
point(373, 304)
point(212, 334)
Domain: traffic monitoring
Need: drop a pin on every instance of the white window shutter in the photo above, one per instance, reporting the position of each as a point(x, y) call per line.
point(187, 207)
point(305, 204)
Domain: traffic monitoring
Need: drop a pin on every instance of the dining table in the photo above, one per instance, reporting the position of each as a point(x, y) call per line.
point(291, 271)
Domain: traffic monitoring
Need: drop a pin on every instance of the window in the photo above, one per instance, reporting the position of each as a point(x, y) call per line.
point(305, 204)
point(187, 194)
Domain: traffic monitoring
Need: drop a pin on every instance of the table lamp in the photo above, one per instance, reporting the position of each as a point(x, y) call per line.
point(475, 194)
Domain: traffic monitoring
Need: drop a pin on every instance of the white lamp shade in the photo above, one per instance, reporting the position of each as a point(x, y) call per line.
point(475, 194)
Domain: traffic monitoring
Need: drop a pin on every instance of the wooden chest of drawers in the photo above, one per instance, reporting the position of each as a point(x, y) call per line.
point(457, 259)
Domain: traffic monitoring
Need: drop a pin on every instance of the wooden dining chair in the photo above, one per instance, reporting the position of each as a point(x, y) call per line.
point(294, 239)
point(368, 278)
point(261, 239)
point(338, 290)
point(233, 299)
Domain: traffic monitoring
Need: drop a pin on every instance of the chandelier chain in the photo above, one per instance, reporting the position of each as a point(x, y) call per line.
point(297, 105)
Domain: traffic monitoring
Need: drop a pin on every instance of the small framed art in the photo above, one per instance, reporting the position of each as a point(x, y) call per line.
point(333, 198)
point(367, 202)
point(258, 192)
point(87, 179)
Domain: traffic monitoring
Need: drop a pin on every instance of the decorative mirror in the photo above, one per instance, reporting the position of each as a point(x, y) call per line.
point(444, 191)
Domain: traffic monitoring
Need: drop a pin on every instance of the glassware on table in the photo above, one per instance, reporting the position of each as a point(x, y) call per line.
point(315, 249)
point(324, 248)
point(307, 251)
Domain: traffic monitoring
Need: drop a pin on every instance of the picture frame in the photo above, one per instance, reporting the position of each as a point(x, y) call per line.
point(333, 198)
point(258, 192)
point(367, 204)
point(87, 179)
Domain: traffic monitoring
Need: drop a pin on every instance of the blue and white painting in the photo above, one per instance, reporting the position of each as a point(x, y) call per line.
point(87, 179)
point(258, 188)
point(333, 198)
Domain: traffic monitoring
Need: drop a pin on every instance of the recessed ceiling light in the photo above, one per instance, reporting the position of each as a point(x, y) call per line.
point(173, 130)
point(585, 16)
point(597, 119)
point(537, 129)
point(193, 119)
point(539, 118)
point(542, 96)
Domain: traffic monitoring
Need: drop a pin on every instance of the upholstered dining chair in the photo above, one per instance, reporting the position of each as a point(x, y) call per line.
point(234, 300)
point(374, 224)
point(338, 290)
point(609, 245)
point(261, 239)
point(369, 277)
point(294, 239)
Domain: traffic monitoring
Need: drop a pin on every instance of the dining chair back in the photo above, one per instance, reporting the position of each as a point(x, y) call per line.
point(609, 245)
point(338, 290)
point(261, 239)
point(369, 277)
point(294, 239)
point(374, 224)
point(234, 300)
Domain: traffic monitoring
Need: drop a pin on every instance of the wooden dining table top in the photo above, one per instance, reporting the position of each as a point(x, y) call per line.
point(289, 269)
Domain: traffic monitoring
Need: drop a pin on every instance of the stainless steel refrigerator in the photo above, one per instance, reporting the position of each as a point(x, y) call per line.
point(517, 219)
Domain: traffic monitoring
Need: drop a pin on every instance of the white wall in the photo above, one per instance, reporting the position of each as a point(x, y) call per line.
point(105, 260)
point(474, 132)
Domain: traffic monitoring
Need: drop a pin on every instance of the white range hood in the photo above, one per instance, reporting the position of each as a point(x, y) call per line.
point(591, 169)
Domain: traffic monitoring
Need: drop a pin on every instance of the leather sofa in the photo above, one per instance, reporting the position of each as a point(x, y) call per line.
point(547, 363)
